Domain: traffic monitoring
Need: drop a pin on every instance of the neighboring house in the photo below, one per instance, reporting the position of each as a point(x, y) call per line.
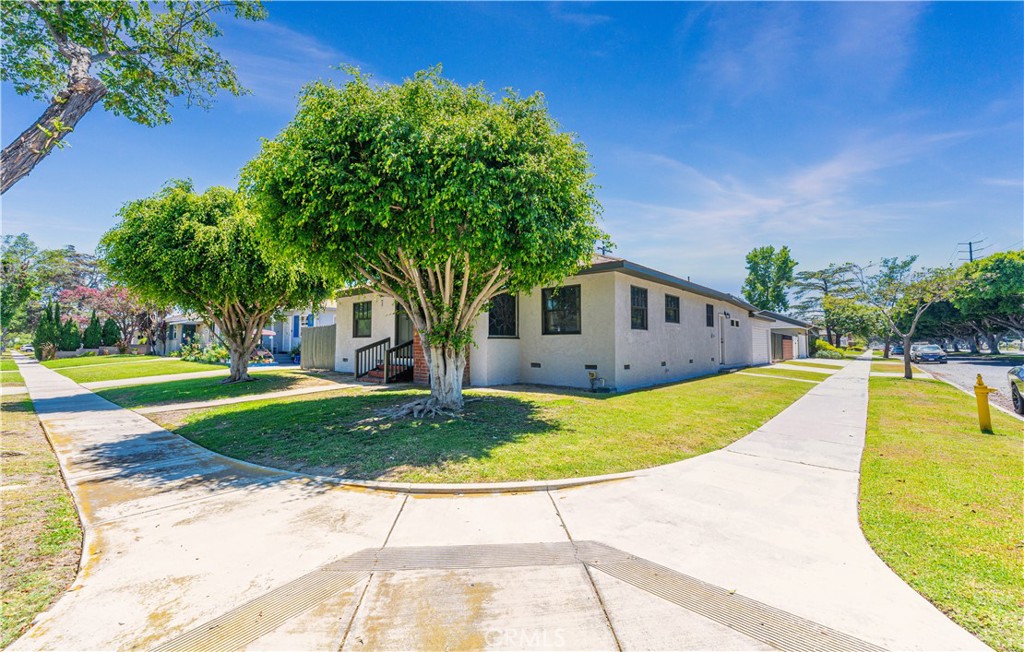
point(778, 337)
point(288, 329)
point(185, 329)
point(630, 325)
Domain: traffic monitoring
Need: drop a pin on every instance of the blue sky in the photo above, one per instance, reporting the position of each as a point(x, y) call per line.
point(846, 131)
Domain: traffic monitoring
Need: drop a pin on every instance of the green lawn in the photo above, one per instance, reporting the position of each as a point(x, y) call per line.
point(941, 504)
point(90, 360)
point(893, 367)
point(206, 389)
point(788, 373)
point(159, 367)
point(816, 365)
point(9, 374)
point(504, 435)
point(41, 540)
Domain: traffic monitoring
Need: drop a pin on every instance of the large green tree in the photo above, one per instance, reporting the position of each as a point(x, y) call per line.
point(813, 287)
point(769, 275)
point(992, 294)
point(901, 295)
point(436, 195)
point(134, 57)
point(18, 257)
point(203, 253)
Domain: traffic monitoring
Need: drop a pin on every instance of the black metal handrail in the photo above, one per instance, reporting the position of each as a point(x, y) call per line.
point(371, 356)
point(398, 360)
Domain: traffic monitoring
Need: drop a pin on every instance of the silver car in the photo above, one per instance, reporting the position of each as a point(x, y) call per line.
point(1016, 378)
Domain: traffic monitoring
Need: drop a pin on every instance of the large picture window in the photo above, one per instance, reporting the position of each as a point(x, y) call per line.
point(362, 314)
point(561, 310)
point(501, 320)
point(671, 309)
point(638, 308)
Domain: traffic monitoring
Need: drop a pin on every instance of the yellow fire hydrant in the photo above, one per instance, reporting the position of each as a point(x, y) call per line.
point(981, 392)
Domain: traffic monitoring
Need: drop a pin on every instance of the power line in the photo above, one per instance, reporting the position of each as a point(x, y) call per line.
point(971, 248)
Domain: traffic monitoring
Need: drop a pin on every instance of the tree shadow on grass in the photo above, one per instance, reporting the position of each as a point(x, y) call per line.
point(343, 436)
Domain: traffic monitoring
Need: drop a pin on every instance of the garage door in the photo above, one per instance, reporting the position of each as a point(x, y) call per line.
point(761, 349)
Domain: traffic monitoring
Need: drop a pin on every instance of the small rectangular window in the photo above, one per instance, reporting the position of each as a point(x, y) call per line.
point(310, 320)
point(638, 308)
point(362, 315)
point(560, 308)
point(172, 332)
point(671, 309)
point(710, 312)
point(501, 320)
point(295, 325)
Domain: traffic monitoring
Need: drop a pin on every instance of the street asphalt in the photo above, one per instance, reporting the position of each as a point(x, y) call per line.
point(755, 546)
point(963, 371)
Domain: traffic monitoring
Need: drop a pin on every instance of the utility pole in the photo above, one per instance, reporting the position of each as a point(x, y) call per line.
point(971, 249)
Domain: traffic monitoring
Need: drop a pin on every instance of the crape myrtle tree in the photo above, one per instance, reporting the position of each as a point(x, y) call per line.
point(901, 296)
point(203, 253)
point(134, 57)
point(436, 195)
point(117, 302)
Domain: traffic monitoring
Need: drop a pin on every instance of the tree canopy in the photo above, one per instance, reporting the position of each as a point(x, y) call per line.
point(813, 287)
point(135, 57)
point(202, 253)
point(769, 275)
point(437, 195)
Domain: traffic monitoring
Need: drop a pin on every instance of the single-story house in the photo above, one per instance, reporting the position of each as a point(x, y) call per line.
point(615, 324)
point(185, 329)
point(288, 329)
point(778, 337)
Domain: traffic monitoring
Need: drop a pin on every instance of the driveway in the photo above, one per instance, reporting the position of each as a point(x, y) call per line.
point(755, 546)
point(963, 371)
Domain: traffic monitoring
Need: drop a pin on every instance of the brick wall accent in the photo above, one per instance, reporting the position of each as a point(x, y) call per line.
point(420, 373)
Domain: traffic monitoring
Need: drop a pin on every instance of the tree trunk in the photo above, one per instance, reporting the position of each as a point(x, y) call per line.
point(239, 365)
point(973, 343)
point(446, 368)
point(58, 120)
point(907, 371)
point(828, 334)
point(956, 345)
point(888, 346)
point(993, 343)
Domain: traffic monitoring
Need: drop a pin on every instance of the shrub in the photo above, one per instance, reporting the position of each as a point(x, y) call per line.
point(47, 332)
point(827, 354)
point(93, 335)
point(110, 334)
point(194, 352)
point(70, 337)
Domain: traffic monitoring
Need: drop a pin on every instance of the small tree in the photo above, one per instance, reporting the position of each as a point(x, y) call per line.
point(92, 338)
point(70, 336)
point(129, 55)
point(769, 275)
point(111, 334)
point(18, 257)
point(47, 333)
point(901, 296)
point(203, 254)
point(433, 194)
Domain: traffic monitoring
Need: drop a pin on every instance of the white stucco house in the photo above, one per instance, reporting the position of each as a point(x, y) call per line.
point(184, 329)
point(625, 324)
point(288, 329)
point(778, 337)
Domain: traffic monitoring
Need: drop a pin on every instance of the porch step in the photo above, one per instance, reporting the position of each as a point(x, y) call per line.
point(376, 375)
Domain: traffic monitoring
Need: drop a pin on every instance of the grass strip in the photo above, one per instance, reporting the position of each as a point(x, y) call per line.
point(788, 373)
point(88, 374)
point(208, 389)
point(92, 360)
point(41, 537)
point(940, 502)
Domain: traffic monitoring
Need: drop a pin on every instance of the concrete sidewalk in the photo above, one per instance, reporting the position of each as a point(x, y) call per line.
point(752, 547)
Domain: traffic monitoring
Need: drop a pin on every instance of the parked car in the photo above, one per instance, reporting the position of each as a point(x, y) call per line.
point(897, 350)
point(28, 348)
point(1016, 377)
point(928, 353)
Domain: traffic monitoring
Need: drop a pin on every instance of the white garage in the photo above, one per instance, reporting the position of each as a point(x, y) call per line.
point(761, 331)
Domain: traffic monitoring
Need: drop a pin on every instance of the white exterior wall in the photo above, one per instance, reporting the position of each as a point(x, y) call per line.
point(761, 343)
point(494, 360)
point(687, 349)
point(563, 358)
point(382, 324)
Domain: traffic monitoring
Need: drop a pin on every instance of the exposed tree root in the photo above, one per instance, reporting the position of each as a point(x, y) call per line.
point(424, 408)
point(231, 381)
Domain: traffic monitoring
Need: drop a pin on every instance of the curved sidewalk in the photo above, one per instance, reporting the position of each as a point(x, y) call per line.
point(751, 547)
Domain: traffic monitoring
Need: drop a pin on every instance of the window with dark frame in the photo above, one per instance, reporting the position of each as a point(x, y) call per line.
point(501, 320)
point(710, 311)
point(560, 308)
point(362, 315)
point(295, 325)
point(671, 309)
point(638, 308)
